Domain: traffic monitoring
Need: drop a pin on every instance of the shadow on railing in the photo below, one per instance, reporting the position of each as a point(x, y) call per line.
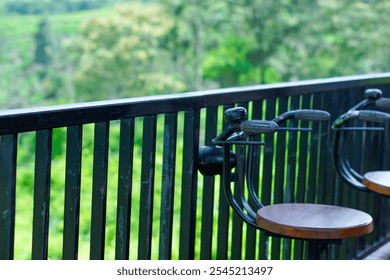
point(118, 179)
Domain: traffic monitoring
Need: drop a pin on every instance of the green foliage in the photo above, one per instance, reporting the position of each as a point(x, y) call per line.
point(43, 43)
point(174, 46)
point(165, 46)
point(231, 63)
point(196, 28)
point(50, 6)
point(27, 83)
point(120, 55)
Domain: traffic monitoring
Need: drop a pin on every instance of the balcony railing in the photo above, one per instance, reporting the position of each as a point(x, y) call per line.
point(145, 151)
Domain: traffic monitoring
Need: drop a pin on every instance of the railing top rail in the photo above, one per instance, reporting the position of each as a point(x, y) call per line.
point(32, 119)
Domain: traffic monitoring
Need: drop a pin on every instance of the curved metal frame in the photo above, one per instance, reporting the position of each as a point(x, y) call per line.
point(235, 134)
point(242, 207)
point(340, 126)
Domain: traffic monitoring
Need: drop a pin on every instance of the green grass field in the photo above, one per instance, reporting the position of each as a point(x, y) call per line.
point(17, 31)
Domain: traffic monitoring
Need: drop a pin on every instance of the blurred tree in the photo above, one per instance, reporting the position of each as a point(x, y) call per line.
point(229, 64)
point(270, 23)
point(40, 78)
point(120, 55)
point(42, 39)
point(336, 38)
point(359, 28)
point(49, 64)
point(40, 7)
point(197, 26)
point(177, 45)
point(311, 39)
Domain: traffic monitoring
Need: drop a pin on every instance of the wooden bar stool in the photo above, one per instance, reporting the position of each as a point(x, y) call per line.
point(376, 181)
point(372, 181)
point(318, 224)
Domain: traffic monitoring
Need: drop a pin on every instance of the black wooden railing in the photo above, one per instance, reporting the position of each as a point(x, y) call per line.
point(164, 209)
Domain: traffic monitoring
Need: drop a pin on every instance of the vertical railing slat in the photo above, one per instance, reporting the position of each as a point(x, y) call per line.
point(125, 175)
point(301, 187)
point(168, 186)
point(311, 191)
point(313, 178)
point(41, 194)
point(290, 185)
point(267, 166)
point(189, 185)
point(223, 212)
point(344, 196)
point(72, 192)
point(279, 175)
point(208, 190)
point(237, 223)
point(386, 166)
point(331, 103)
point(223, 225)
point(350, 196)
point(147, 187)
point(8, 150)
point(327, 183)
point(251, 233)
point(378, 145)
point(322, 187)
point(99, 191)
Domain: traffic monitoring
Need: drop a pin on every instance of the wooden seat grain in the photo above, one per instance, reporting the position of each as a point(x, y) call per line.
point(378, 181)
point(314, 221)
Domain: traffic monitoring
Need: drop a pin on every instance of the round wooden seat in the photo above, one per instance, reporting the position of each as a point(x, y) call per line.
point(378, 181)
point(313, 221)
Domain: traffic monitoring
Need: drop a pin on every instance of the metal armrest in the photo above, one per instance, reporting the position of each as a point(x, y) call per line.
point(341, 163)
point(363, 115)
point(259, 126)
point(304, 115)
point(383, 103)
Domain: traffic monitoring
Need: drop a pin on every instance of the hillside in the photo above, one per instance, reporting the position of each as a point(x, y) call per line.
point(17, 31)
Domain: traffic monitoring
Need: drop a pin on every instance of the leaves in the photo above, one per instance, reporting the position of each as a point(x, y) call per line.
point(121, 55)
point(167, 46)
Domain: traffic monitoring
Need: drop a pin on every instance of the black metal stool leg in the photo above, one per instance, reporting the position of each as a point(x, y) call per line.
point(318, 247)
point(315, 250)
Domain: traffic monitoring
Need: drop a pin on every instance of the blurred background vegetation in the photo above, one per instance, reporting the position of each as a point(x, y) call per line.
point(80, 50)
point(55, 52)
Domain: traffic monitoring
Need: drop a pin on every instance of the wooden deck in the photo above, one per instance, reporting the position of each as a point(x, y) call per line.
point(383, 253)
